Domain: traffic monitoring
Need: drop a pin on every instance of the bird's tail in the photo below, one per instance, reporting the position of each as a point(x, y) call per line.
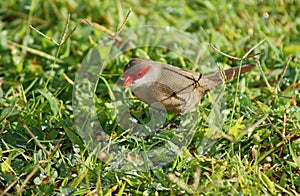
point(217, 78)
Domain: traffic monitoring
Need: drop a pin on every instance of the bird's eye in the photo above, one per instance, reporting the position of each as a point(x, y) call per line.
point(140, 73)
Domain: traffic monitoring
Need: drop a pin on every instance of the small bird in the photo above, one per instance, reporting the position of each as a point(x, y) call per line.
point(175, 90)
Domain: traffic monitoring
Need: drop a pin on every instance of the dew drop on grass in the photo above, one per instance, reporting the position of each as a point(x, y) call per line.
point(266, 15)
point(133, 120)
point(169, 9)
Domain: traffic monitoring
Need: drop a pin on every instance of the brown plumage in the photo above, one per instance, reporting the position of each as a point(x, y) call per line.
point(172, 88)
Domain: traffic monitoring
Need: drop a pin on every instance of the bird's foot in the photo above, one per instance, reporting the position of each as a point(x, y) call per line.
point(165, 127)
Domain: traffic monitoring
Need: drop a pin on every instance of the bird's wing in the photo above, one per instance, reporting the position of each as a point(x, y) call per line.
point(179, 80)
point(175, 101)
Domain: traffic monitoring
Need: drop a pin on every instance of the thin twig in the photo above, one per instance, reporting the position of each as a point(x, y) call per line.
point(112, 34)
point(256, 124)
point(263, 74)
point(254, 55)
point(69, 80)
point(64, 36)
point(268, 118)
point(238, 58)
point(199, 53)
point(55, 9)
point(24, 16)
point(255, 46)
point(180, 183)
point(274, 148)
point(35, 139)
point(29, 176)
point(292, 86)
point(99, 27)
point(69, 35)
point(238, 78)
point(284, 124)
point(125, 20)
point(39, 53)
point(224, 54)
point(62, 39)
point(120, 10)
point(10, 186)
point(196, 179)
point(46, 36)
point(282, 74)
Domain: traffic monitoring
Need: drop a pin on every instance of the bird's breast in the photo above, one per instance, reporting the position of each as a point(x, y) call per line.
point(162, 96)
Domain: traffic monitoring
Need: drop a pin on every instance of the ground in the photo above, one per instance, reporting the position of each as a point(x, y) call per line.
point(250, 147)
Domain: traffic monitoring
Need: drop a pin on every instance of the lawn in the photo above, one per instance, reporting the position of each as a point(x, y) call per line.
point(69, 127)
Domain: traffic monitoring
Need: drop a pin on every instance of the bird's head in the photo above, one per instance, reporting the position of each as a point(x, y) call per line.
point(139, 70)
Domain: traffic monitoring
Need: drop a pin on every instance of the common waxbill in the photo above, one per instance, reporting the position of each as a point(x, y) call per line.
point(174, 89)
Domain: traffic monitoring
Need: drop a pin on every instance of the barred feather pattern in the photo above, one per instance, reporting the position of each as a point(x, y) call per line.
point(174, 89)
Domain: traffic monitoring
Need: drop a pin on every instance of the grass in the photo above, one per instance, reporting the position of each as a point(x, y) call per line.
point(254, 152)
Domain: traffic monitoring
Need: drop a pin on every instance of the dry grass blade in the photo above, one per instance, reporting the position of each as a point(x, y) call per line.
point(263, 75)
point(246, 56)
point(35, 139)
point(252, 49)
point(282, 74)
point(224, 54)
point(65, 37)
point(99, 27)
point(292, 86)
point(10, 186)
point(180, 183)
point(27, 179)
point(39, 53)
point(46, 36)
point(124, 21)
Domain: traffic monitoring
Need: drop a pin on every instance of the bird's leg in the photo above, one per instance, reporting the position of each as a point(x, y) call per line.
point(167, 126)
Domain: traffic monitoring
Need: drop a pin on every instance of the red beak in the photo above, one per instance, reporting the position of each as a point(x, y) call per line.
point(127, 80)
